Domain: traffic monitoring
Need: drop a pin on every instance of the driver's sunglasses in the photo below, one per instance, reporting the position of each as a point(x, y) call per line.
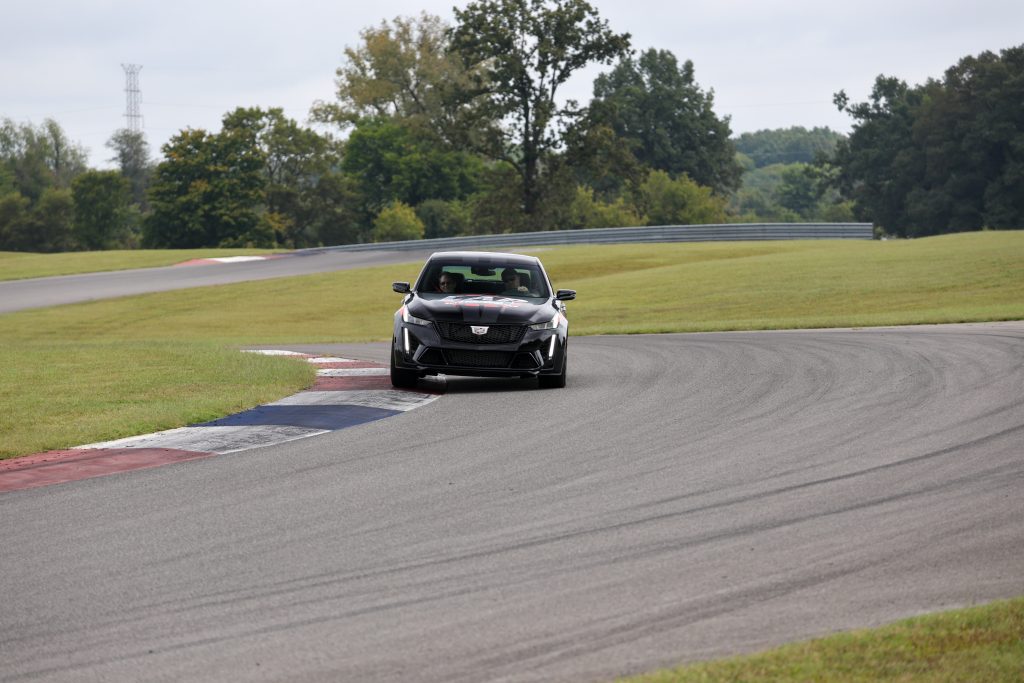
point(509, 279)
point(445, 283)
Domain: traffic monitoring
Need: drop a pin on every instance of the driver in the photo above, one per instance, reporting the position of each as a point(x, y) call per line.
point(510, 278)
point(448, 283)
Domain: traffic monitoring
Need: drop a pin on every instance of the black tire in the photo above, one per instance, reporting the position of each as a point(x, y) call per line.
point(555, 381)
point(402, 379)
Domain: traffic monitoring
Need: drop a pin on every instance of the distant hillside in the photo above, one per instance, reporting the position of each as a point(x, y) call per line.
point(787, 145)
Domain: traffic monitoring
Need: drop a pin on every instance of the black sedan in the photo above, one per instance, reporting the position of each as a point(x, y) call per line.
point(481, 314)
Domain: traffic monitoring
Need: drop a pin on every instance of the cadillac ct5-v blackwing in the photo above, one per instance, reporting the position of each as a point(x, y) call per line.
point(482, 314)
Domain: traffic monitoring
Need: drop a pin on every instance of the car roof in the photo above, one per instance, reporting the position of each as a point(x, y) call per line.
point(485, 257)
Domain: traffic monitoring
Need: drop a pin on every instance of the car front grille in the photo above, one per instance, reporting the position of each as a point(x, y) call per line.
point(432, 357)
point(525, 361)
point(478, 359)
point(496, 334)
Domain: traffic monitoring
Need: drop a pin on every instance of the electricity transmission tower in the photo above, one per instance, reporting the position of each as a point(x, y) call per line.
point(133, 108)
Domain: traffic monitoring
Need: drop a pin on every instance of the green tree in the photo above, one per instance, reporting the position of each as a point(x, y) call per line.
point(788, 145)
point(131, 154)
point(334, 214)
point(295, 159)
point(38, 157)
point(444, 218)
point(880, 163)
point(678, 201)
point(51, 221)
point(38, 163)
point(789, 193)
point(397, 222)
point(15, 229)
point(208, 191)
point(518, 54)
point(103, 217)
point(758, 198)
point(390, 163)
point(404, 70)
point(496, 207)
point(800, 191)
point(940, 157)
point(657, 106)
point(64, 158)
point(587, 211)
point(971, 125)
point(601, 160)
point(6, 180)
point(24, 160)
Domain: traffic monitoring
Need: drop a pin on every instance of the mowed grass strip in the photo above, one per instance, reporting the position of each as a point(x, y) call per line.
point(982, 644)
point(781, 285)
point(56, 395)
point(15, 265)
point(622, 289)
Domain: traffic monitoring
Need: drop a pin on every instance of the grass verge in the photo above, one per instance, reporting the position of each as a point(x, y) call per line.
point(57, 395)
point(16, 265)
point(622, 289)
point(976, 644)
point(777, 285)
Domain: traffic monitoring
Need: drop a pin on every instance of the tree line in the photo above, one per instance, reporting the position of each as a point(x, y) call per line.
point(945, 156)
point(438, 130)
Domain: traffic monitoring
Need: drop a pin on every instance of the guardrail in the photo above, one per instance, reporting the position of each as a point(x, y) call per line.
point(725, 232)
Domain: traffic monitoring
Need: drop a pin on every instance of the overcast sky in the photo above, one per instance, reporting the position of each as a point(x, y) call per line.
point(771, 64)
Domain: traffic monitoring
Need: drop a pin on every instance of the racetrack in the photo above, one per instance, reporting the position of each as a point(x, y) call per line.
point(17, 295)
point(687, 496)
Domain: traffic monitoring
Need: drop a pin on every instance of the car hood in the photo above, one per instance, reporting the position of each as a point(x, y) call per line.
point(475, 308)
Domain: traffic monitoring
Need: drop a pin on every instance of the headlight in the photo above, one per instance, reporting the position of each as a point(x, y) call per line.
point(411, 319)
point(549, 325)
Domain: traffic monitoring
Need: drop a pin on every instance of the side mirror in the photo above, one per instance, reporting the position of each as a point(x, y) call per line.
point(565, 294)
point(400, 287)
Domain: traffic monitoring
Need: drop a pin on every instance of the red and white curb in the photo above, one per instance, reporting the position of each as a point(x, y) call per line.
point(346, 393)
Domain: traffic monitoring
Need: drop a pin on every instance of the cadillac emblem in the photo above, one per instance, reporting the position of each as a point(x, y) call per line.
point(478, 329)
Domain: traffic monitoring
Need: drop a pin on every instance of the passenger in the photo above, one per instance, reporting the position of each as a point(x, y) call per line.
point(510, 278)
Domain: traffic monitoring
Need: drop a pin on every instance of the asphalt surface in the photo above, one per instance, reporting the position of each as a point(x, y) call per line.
point(16, 295)
point(685, 497)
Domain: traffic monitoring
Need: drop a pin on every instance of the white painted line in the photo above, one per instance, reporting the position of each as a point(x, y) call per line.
point(331, 359)
point(214, 439)
point(273, 352)
point(352, 372)
point(236, 259)
point(370, 398)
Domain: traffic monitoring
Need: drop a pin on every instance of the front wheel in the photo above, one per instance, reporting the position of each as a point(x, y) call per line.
point(401, 379)
point(555, 381)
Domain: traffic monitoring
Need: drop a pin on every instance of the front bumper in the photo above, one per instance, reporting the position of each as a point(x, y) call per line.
point(422, 349)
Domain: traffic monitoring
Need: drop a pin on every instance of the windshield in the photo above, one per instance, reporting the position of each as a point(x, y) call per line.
point(519, 280)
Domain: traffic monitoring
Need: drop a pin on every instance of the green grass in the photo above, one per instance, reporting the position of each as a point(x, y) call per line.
point(15, 265)
point(690, 288)
point(978, 644)
point(622, 289)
